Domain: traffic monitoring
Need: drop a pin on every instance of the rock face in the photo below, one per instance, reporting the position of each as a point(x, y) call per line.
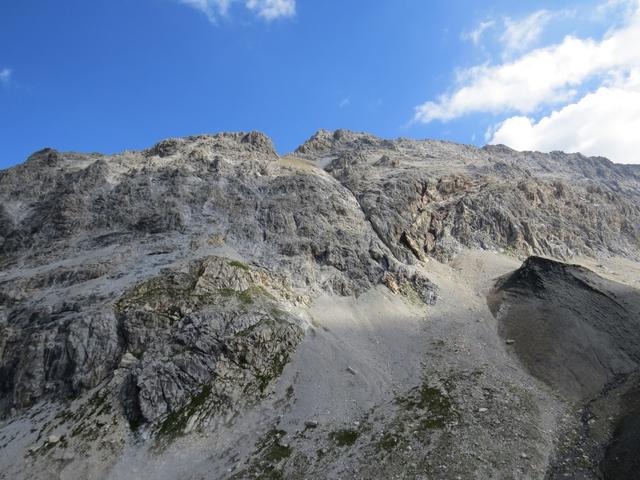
point(88, 228)
point(216, 326)
point(430, 198)
point(150, 294)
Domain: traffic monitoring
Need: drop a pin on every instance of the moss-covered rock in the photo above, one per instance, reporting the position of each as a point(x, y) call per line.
point(204, 338)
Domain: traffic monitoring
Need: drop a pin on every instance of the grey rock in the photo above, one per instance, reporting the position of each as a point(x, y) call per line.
point(130, 215)
point(437, 196)
point(153, 293)
point(217, 326)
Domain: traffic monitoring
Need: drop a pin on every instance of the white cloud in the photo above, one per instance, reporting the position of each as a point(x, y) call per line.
point(541, 77)
point(345, 102)
point(272, 9)
point(267, 9)
point(520, 34)
point(5, 76)
point(580, 94)
point(605, 122)
point(476, 34)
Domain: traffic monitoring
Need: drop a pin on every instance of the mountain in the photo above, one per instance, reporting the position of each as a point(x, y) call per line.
point(359, 308)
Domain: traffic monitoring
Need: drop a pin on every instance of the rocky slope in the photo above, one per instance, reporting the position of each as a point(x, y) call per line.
point(209, 306)
point(580, 334)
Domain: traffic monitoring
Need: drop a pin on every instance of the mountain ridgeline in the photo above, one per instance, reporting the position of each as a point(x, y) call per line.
point(207, 306)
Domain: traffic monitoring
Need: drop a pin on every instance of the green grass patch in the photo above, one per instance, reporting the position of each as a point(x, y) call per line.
point(227, 292)
point(175, 423)
point(344, 437)
point(435, 406)
point(274, 451)
point(246, 297)
point(271, 453)
point(274, 371)
point(240, 265)
point(389, 442)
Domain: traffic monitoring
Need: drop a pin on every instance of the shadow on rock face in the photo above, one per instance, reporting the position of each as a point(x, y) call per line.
point(622, 455)
point(571, 328)
point(580, 334)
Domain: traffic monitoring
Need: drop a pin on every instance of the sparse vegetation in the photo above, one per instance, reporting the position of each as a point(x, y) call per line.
point(277, 365)
point(245, 297)
point(274, 451)
point(344, 437)
point(269, 458)
point(410, 293)
point(240, 265)
point(389, 441)
point(436, 408)
point(227, 292)
point(175, 423)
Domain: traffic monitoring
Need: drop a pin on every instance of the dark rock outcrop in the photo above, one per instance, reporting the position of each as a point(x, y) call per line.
point(579, 333)
point(573, 329)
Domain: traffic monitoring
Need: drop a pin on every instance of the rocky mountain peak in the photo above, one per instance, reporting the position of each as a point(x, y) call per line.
point(240, 141)
point(331, 300)
point(325, 141)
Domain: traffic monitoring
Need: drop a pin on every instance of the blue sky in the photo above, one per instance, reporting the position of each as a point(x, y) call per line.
point(110, 75)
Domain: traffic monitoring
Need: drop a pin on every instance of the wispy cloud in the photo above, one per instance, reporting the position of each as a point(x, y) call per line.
point(211, 8)
point(521, 34)
point(266, 9)
point(5, 76)
point(475, 35)
point(625, 6)
point(345, 102)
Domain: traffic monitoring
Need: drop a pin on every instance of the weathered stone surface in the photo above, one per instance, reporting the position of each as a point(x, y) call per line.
point(155, 292)
point(108, 268)
point(580, 334)
point(219, 325)
point(431, 198)
point(384, 204)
